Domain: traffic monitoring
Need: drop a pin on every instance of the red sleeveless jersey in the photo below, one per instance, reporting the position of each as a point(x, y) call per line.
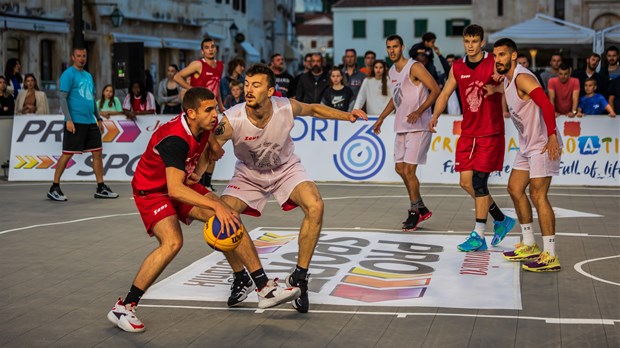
point(481, 116)
point(150, 174)
point(209, 77)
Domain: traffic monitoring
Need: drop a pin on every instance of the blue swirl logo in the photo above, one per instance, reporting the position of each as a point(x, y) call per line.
point(361, 156)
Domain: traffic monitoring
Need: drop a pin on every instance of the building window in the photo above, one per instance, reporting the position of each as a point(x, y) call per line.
point(182, 60)
point(47, 77)
point(420, 27)
point(455, 27)
point(558, 9)
point(218, 1)
point(330, 43)
point(13, 48)
point(236, 5)
point(243, 6)
point(389, 27)
point(313, 44)
point(500, 8)
point(359, 29)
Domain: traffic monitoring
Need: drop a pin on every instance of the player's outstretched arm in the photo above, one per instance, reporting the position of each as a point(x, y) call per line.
point(442, 101)
point(323, 111)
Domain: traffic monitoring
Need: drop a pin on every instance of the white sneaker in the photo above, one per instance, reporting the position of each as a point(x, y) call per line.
point(124, 316)
point(272, 294)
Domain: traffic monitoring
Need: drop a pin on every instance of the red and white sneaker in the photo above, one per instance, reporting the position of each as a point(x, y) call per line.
point(124, 316)
point(273, 294)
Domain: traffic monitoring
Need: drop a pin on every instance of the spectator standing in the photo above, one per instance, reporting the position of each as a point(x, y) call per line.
point(313, 84)
point(553, 71)
point(369, 63)
point(7, 103)
point(206, 72)
point(375, 92)
point(139, 101)
point(30, 100)
point(613, 92)
point(13, 76)
point(83, 125)
point(292, 90)
point(454, 101)
point(525, 62)
point(337, 96)
point(590, 72)
point(353, 77)
point(425, 46)
point(613, 70)
point(236, 94)
point(169, 92)
point(109, 104)
point(593, 103)
point(283, 78)
point(234, 72)
point(564, 92)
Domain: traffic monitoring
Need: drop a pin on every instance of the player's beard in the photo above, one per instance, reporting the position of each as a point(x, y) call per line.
point(502, 69)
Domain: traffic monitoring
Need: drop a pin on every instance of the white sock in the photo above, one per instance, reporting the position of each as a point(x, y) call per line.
point(528, 234)
point(549, 244)
point(480, 227)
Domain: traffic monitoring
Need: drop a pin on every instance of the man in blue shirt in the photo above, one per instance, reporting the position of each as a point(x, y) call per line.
point(83, 125)
point(593, 103)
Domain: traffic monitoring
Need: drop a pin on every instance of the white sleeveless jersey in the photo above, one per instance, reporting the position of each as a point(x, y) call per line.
point(408, 98)
point(267, 148)
point(527, 117)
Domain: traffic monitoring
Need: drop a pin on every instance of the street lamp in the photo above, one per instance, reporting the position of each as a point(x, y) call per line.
point(117, 17)
point(233, 30)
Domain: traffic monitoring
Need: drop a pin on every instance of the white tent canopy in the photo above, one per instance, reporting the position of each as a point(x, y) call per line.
point(612, 33)
point(546, 30)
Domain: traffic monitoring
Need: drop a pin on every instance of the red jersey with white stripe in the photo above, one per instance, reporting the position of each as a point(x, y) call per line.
point(527, 117)
point(209, 77)
point(481, 116)
point(150, 174)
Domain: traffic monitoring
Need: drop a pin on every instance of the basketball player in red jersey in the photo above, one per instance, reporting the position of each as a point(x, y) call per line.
point(480, 148)
point(206, 72)
point(166, 191)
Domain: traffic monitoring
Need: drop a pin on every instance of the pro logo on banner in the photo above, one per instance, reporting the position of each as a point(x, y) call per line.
point(366, 269)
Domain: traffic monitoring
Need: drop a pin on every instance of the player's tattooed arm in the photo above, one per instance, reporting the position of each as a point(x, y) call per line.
point(220, 128)
point(223, 131)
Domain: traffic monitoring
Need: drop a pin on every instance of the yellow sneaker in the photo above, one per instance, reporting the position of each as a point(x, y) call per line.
point(544, 263)
point(522, 252)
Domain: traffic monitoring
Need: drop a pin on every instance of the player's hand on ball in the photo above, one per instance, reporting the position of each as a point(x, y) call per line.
point(228, 217)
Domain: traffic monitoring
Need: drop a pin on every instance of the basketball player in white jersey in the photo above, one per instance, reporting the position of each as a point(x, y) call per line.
point(411, 83)
point(537, 161)
point(267, 165)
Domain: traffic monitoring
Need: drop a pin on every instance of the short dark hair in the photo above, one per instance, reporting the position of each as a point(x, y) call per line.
point(233, 63)
point(79, 48)
point(430, 36)
point(395, 37)
point(351, 50)
point(262, 69)
point(235, 83)
point(611, 48)
point(308, 55)
point(273, 56)
point(521, 55)
point(557, 54)
point(194, 96)
point(473, 30)
point(450, 56)
point(591, 79)
point(370, 52)
point(512, 46)
point(564, 66)
point(174, 66)
point(205, 40)
point(594, 54)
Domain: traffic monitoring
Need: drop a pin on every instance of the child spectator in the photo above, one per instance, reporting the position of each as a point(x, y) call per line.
point(338, 96)
point(236, 94)
point(593, 103)
point(30, 100)
point(109, 105)
point(139, 101)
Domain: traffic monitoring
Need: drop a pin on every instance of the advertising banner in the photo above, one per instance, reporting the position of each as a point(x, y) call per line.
point(330, 150)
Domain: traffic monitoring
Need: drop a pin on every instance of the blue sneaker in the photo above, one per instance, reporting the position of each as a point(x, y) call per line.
point(501, 229)
point(473, 243)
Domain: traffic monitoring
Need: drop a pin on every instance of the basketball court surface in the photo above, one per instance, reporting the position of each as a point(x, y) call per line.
point(64, 264)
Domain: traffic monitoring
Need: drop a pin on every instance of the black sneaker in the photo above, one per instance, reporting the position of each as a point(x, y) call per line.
point(240, 289)
point(412, 221)
point(105, 192)
point(211, 188)
point(301, 304)
point(55, 194)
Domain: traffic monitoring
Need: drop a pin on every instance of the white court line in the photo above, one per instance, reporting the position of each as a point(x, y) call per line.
point(578, 268)
point(548, 320)
point(610, 188)
point(66, 222)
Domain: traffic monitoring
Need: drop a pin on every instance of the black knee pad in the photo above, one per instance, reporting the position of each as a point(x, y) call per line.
point(479, 182)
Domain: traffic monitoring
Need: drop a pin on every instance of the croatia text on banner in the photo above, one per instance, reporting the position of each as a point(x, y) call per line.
point(37, 145)
point(353, 268)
